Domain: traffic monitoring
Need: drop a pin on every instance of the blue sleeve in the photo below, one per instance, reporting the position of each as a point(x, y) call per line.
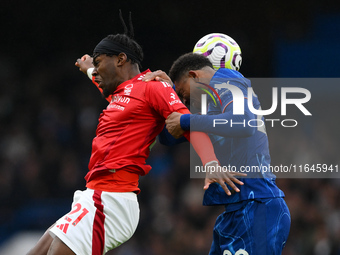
point(167, 139)
point(225, 124)
point(185, 122)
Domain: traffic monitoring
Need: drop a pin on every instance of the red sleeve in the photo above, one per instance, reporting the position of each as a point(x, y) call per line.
point(101, 91)
point(184, 111)
point(164, 100)
point(201, 143)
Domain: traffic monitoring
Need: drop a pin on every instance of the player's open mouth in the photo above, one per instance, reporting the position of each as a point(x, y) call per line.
point(98, 81)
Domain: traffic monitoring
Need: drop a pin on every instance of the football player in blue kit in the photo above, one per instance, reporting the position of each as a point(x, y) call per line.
point(256, 220)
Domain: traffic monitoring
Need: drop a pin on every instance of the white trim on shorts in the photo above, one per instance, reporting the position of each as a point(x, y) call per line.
point(98, 221)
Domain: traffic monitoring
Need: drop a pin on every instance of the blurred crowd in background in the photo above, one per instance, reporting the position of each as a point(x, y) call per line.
point(49, 112)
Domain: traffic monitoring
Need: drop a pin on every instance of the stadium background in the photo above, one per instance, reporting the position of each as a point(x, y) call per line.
point(49, 112)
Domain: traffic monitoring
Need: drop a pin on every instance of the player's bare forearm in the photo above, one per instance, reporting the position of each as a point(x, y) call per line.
point(84, 63)
point(173, 125)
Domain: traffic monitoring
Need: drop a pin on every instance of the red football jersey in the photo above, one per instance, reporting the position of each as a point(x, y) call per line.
point(126, 129)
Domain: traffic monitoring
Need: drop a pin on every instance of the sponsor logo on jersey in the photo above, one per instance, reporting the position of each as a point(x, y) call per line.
point(120, 99)
point(127, 90)
point(174, 101)
point(115, 106)
point(177, 101)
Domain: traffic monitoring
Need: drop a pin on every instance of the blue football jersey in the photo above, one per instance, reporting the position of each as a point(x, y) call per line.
point(240, 153)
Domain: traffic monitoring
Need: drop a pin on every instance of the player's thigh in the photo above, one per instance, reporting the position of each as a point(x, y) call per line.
point(42, 246)
point(232, 233)
point(215, 246)
point(278, 225)
point(59, 248)
point(257, 228)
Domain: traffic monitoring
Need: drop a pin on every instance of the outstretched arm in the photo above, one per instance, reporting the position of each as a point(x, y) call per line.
point(225, 124)
point(85, 64)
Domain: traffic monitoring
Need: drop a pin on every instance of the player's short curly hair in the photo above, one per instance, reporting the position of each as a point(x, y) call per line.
point(187, 62)
point(129, 43)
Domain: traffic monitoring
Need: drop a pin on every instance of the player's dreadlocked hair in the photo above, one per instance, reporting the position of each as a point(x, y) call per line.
point(115, 44)
point(129, 43)
point(187, 62)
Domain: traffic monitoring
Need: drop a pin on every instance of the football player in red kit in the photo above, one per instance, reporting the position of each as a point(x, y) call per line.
point(106, 214)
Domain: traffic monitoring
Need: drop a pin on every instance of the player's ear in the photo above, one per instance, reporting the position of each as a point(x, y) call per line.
point(193, 74)
point(121, 59)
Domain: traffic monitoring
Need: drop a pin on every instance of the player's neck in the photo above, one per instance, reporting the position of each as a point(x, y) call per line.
point(126, 73)
point(132, 71)
point(208, 72)
point(205, 74)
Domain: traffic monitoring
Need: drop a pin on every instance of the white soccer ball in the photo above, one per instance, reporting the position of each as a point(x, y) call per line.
point(221, 50)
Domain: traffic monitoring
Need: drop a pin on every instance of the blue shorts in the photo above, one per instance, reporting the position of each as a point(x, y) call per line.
point(257, 228)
